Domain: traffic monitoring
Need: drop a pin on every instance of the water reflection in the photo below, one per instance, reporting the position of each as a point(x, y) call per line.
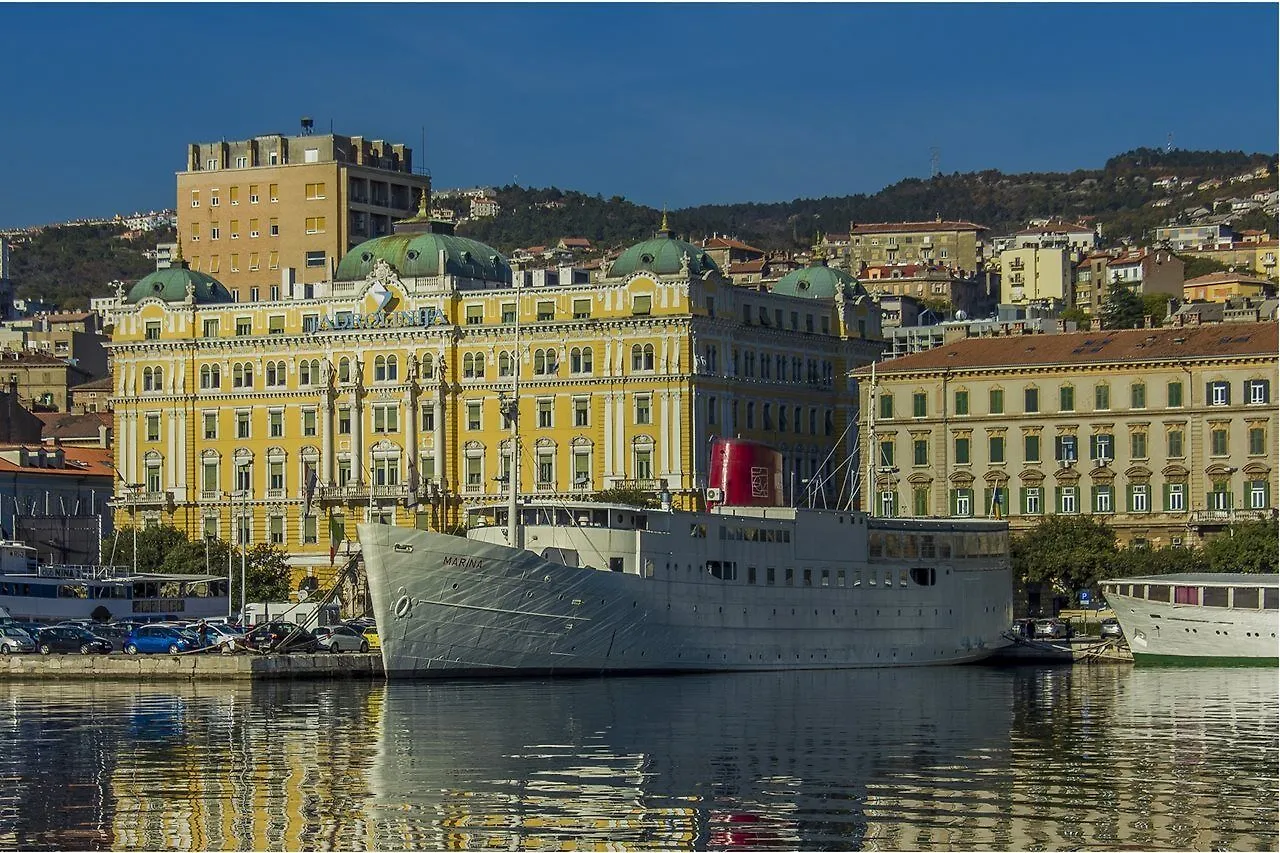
point(945, 758)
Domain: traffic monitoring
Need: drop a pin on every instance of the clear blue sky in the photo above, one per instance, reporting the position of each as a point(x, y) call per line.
point(671, 104)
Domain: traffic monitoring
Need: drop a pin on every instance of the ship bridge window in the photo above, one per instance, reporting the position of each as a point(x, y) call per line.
point(1185, 594)
point(892, 545)
point(698, 531)
point(928, 548)
point(726, 570)
point(72, 591)
point(924, 577)
point(826, 577)
point(563, 556)
point(615, 564)
point(1270, 598)
point(1215, 596)
point(1245, 597)
point(1157, 592)
point(839, 577)
point(911, 546)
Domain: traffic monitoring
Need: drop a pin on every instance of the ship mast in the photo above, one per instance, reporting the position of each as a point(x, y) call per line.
point(512, 412)
point(868, 487)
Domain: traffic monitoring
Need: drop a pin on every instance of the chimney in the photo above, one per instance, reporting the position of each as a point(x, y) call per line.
point(104, 436)
point(1095, 324)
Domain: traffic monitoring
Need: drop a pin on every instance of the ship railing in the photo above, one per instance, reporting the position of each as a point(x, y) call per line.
point(80, 572)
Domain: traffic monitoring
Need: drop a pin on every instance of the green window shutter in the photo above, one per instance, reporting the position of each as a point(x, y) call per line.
point(951, 500)
point(1128, 497)
point(1022, 500)
point(1165, 489)
point(1057, 498)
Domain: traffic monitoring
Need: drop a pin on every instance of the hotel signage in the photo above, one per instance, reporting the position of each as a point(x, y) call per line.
point(346, 320)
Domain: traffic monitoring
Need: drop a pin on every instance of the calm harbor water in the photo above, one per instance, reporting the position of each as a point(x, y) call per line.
point(944, 758)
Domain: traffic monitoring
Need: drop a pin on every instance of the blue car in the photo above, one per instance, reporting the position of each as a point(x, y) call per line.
point(157, 639)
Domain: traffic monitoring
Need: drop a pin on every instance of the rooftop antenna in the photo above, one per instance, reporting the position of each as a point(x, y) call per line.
point(307, 125)
point(935, 154)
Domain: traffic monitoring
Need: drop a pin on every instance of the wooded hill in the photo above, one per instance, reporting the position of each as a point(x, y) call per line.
point(68, 264)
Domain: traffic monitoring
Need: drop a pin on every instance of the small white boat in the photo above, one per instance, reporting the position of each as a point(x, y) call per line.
point(37, 592)
point(1198, 618)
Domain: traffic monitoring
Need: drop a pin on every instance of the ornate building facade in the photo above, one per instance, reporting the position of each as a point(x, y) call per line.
point(385, 395)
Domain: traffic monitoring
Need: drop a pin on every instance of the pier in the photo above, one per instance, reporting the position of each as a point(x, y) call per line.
point(190, 667)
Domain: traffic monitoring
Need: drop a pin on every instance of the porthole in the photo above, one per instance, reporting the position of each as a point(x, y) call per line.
point(646, 258)
point(366, 256)
point(412, 254)
point(157, 287)
point(802, 285)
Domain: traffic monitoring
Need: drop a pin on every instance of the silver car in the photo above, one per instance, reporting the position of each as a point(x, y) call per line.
point(14, 639)
point(340, 638)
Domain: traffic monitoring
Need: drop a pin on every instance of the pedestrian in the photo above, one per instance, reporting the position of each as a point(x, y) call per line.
point(203, 631)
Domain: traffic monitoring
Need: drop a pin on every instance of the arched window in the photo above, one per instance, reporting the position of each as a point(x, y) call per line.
point(575, 360)
point(751, 415)
point(468, 366)
point(147, 379)
point(637, 357)
point(648, 356)
point(271, 373)
point(380, 369)
point(504, 364)
point(551, 362)
point(344, 370)
point(241, 375)
point(304, 372)
point(393, 368)
point(782, 419)
point(539, 362)
point(586, 360)
point(479, 365)
point(428, 366)
point(159, 379)
point(768, 416)
point(204, 376)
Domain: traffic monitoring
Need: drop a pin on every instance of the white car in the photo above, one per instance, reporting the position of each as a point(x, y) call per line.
point(340, 638)
point(14, 639)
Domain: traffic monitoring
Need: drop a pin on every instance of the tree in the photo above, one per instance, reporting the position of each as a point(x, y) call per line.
point(166, 550)
point(1139, 561)
point(1195, 266)
point(1067, 552)
point(1122, 308)
point(1155, 306)
point(1249, 547)
point(1078, 316)
point(154, 546)
point(267, 573)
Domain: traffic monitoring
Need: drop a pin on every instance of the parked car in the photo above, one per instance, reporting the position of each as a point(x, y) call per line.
point(371, 637)
point(1051, 629)
point(14, 639)
point(117, 634)
point(281, 637)
point(158, 639)
point(1111, 629)
point(360, 623)
point(64, 638)
point(340, 638)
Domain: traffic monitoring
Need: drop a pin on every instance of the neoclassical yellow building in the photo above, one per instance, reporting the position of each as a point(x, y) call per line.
point(382, 396)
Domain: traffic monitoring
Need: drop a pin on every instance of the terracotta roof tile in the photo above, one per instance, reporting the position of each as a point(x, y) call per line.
point(67, 426)
point(94, 461)
point(1121, 347)
point(1225, 278)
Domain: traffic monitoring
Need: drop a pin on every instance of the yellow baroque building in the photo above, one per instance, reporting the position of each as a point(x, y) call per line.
point(382, 395)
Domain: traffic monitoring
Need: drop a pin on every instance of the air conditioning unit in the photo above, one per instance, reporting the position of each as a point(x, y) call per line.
point(714, 494)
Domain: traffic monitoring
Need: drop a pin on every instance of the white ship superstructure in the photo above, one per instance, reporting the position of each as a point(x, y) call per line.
point(1198, 617)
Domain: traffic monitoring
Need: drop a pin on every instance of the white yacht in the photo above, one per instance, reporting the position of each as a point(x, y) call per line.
point(1198, 618)
point(746, 585)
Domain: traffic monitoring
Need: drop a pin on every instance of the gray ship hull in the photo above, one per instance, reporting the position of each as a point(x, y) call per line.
point(448, 606)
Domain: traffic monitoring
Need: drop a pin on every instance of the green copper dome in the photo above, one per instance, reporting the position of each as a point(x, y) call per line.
point(418, 254)
point(171, 286)
point(663, 255)
point(818, 281)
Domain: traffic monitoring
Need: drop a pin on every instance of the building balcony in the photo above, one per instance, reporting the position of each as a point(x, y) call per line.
point(1225, 517)
point(210, 494)
point(362, 492)
point(147, 500)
